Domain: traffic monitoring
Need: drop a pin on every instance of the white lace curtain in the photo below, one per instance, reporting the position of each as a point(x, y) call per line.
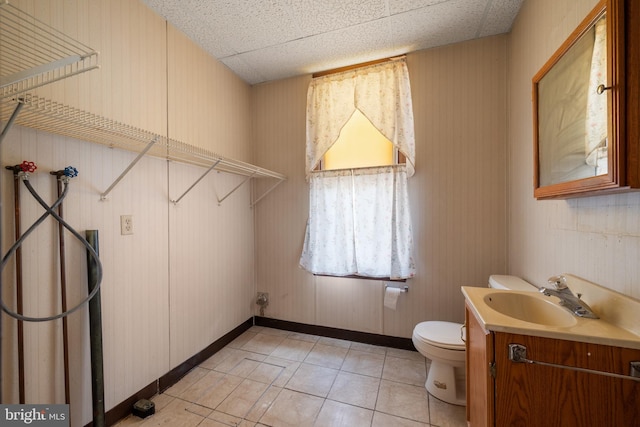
point(596, 148)
point(381, 92)
point(359, 222)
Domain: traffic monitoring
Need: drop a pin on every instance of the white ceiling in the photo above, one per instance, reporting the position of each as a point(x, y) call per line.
point(262, 40)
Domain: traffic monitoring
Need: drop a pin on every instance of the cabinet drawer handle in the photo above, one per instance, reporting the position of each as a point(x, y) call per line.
point(518, 354)
point(463, 332)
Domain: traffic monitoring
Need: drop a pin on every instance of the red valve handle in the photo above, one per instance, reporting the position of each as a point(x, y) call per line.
point(28, 166)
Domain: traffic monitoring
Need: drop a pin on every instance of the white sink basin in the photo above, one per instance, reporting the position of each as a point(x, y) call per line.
point(529, 308)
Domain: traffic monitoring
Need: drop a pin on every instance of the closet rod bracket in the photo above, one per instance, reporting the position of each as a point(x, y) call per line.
point(235, 188)
point(212, 167)
point(103, 196)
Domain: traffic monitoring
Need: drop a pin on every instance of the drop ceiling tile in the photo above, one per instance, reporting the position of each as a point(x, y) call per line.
point(316, 17)
point(444, 23)
point(264, 40)
point(243, 69)
point(500, 17)
point(325, 51)
point(401, 6)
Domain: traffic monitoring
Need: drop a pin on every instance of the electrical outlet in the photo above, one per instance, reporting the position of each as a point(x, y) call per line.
point(126, 224)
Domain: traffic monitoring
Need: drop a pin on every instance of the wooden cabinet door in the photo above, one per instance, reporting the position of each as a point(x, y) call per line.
point(480, 383)
point(540, 395)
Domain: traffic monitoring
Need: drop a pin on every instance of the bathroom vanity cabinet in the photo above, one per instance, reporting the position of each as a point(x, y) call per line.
point(501, 392)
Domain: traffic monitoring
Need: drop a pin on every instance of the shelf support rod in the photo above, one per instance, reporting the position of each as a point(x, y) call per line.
point(255, 202)
point(13, 117)
point(103, 196)
point(212, 167)
point(235, 188)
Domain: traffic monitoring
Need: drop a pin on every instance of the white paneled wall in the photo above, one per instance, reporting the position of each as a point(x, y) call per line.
point(597, 238)
point(458, 195)
point(186, 276)
point(211, 252)
point(134, 291)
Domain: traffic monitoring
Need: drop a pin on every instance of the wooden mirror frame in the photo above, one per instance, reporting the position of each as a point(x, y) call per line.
point(615, 177)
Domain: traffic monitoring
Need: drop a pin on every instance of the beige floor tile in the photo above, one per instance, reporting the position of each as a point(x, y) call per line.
point(292, 409)
point(213, 423)
point(235, 357)
point(192, 377)
point(364, 363)
point(263, 343)
point(270, 331)
point(404, 354)
point(405, 370)
point(265, 401)
point(223, 388)
point(219, 419)
point(202, 387)
point(266, 373)
point(290, 368)
point(336, 414)
point(200, 410)
point(368, 348)
point(243, 398)
point(312, 379)
point(175, 415)
point(242, 339)
point(291, 349)
point(244, 368)
point(355, 389)
point(403, 400)
point(445, 415)
point(334, 342)
point(354, 377)
point(327, 355)
point(386, 420)
point(303, 337)
point(161, 400)
point(217, 358)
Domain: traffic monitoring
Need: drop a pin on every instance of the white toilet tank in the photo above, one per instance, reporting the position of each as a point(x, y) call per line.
point(512, 283)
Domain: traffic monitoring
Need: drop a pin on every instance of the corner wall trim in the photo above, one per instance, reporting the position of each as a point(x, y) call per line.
point(344, 334)
point(174, 375)
point(123, 409)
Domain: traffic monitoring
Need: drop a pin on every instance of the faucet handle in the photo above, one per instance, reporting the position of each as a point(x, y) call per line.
point(558, 282)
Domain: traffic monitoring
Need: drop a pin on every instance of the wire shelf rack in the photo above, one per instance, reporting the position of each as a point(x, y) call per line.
point(34, 54)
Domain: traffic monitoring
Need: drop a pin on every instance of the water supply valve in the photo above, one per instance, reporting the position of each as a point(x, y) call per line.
point(29, 167)
point(70, 172)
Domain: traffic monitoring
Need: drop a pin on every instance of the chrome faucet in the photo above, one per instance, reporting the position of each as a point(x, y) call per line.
point(558, 288)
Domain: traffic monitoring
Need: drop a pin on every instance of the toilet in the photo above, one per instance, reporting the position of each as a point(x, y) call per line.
point(442, 343)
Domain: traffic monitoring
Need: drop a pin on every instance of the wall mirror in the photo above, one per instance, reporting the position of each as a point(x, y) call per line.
point(576, 106)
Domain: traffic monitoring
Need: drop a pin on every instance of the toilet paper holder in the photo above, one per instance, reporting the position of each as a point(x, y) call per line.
point(403, 289)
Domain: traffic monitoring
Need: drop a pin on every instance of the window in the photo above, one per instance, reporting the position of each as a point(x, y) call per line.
point(360, 144)
point(359, 222)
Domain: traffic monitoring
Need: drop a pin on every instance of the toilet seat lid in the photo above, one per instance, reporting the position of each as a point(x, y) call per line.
point(440, 334)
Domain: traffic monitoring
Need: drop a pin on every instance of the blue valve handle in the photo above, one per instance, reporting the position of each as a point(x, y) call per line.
point(70, 172)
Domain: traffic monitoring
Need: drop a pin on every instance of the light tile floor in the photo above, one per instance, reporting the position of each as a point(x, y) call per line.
point(270, 377)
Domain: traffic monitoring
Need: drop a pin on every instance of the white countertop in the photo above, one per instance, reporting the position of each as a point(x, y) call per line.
point(598, 331)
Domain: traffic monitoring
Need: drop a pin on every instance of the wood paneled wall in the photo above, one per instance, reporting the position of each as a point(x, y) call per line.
point(458, 195)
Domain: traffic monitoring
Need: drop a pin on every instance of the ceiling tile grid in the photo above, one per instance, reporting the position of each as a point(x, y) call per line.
point(269, 40)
